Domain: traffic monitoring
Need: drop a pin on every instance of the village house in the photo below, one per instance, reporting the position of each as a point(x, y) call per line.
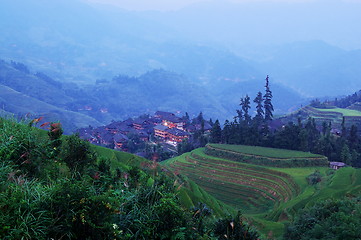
point(176, 136)
point(161, 131)
point(141, 123)
point(197, 127)
point(173, 122)
point(170, 120)
point(337, 165)
point(120, 141)
point(162, 115)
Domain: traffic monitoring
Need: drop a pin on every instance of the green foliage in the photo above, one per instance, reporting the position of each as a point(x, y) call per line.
point(331, 219)
point(151, 213)
point(216, 133)
point(268, 107)
point(314, 178)
point(259, 109)
point(77, 153)
point(234, 228)
point(184, 146)
point(24, 147)
point(55, 133)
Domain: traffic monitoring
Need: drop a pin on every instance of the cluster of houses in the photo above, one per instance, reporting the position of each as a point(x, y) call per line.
point(166, 127)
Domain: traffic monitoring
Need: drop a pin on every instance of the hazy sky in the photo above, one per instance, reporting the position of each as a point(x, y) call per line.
point(165, 5)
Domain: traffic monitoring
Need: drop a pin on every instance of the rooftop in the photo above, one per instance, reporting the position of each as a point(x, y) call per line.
point(160, 128)
point(338, 164)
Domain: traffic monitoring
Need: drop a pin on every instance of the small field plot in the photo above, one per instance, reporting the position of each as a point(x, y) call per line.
point(272, 157)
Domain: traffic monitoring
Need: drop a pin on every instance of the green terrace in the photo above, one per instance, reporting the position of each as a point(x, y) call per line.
point(265, 156)
point(250, 187)
point(345, 112)
point(265, 152)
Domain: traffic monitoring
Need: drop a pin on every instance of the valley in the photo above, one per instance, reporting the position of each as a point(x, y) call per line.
point(180, 120)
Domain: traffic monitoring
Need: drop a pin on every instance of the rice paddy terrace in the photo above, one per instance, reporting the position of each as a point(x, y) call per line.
point(333, 115)
point(268, 185)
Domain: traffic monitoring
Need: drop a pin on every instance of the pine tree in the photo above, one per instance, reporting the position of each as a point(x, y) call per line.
point(268, 107)
point(343, 130)
point(216, 133)
point(353, 137)
point(259, 109)
point(226, 133)
point(346, 156)
point(246, 105)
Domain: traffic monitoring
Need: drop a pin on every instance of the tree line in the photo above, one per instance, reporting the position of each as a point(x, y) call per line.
point(303, 136)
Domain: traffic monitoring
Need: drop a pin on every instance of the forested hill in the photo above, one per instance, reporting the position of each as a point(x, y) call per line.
point(28, 91)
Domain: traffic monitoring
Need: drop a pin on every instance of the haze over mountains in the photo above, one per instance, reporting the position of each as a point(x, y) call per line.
point(215, 52)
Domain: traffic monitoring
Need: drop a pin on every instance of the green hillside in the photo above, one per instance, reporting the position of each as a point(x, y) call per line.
point(268, 194)
point(21, 104)
point(190, 193)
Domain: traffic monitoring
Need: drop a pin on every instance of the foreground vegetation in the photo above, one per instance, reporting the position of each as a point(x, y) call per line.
point(60, 187)
point(269, 196)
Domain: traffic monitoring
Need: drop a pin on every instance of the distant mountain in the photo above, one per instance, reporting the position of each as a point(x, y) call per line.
point(71, 40)
point(75, 42)
point(23, 93)
point(122, 96)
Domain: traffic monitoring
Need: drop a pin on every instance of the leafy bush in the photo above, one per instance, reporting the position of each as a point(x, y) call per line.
point(234, 228)
point(331, 219)
point(314, 178)
point(76, 153)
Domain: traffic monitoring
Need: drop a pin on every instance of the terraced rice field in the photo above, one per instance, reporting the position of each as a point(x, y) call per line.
point(265, 156)
point(343, 111)
point(249, 187)
point(335, 115)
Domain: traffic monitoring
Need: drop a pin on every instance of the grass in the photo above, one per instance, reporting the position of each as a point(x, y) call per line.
point(119, 159)
point(266, 152)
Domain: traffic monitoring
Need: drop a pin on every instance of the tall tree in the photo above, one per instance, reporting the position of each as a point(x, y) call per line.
point(259, 109)
point(246, 105)
point(216, 133)
point(268, 107)
point(226, 133)
point(343, 128)
point(353, 137)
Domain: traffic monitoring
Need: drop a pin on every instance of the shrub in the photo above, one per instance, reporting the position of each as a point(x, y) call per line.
point(330, 219)
point(314, 178)
point(76, 153)
point(234, 228)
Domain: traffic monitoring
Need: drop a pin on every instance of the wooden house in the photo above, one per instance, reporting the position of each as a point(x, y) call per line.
point(120, 141)
point(176, 135)
point(337, 165)
point(161, 131)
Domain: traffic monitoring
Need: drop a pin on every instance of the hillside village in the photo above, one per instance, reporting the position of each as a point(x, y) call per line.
point(164, 128)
